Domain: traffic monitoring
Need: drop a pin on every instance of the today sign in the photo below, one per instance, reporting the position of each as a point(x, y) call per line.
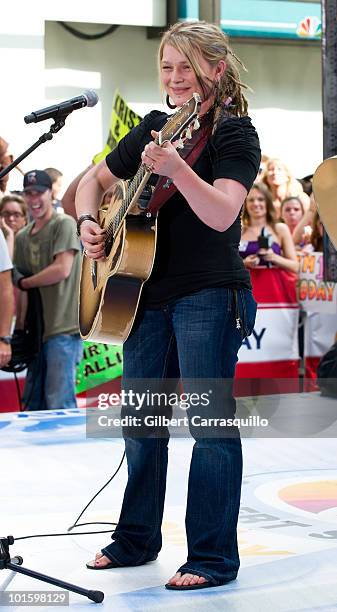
point(315, 294)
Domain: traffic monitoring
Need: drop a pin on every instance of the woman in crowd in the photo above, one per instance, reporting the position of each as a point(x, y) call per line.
point(13, 217)
point(282, 184)
point(262, 168)
point(258, 219)
point(292, 211)
point(315, 242)
point(303, 230)
point(316, 238)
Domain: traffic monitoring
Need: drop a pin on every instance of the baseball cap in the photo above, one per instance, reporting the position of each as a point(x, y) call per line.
point(36, 180)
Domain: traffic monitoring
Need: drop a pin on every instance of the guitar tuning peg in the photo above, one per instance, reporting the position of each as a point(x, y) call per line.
point(180, 143)
point(188, 133)
point(196, 124)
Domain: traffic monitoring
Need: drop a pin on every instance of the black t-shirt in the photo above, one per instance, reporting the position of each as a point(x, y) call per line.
point(191, 255)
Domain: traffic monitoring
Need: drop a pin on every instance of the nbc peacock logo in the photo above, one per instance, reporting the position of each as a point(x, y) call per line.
point(316, 497)
point(309, 27)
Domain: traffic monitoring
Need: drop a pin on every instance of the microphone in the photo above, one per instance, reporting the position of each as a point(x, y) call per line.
point(264, 241)
point(56, 111)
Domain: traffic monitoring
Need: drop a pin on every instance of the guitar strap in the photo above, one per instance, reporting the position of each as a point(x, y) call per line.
point(165, 187)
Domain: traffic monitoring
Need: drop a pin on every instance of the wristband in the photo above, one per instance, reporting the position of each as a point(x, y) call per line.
point(85, 217)
point(6, 339)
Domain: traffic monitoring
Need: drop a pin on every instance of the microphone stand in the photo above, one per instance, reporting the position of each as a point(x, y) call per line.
point(6, 562)
point(15, 564)
point(54, 128)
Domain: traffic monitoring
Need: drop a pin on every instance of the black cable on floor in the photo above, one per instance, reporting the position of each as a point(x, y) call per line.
point(51, 535)
point(96, 494)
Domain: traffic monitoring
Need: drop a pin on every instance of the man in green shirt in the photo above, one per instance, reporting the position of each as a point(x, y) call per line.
point(47, 253)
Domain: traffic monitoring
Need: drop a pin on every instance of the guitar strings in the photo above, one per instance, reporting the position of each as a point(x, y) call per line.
point(133, 186)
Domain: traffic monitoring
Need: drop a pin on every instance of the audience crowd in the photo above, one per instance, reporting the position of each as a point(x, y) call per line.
point(45, 251)
point(279, 220)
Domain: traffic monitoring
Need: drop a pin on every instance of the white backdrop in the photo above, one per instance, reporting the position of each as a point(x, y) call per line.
point(42, 64)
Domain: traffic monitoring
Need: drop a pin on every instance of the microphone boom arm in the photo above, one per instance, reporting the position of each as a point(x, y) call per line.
point(54, 128)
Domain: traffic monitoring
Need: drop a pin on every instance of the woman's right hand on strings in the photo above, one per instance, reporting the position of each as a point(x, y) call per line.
point(93, 240)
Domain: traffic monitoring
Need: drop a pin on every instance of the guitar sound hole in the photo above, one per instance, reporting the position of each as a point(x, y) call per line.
point(116, 254)
point(108, 247)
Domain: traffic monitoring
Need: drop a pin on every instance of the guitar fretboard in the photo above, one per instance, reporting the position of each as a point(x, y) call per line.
point(173, 127)
point(132, 189)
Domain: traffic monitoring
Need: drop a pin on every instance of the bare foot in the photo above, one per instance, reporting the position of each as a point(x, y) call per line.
point(100, 560)
point(186, 579)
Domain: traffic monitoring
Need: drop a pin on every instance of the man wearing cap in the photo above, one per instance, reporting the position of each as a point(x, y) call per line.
point(47, 254)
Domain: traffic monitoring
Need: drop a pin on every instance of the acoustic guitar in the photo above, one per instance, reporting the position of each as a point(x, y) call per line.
point(324, 185)
point(110, 288)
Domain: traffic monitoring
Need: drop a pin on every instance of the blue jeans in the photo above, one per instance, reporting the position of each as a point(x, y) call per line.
point(201, 330)
point(50, 381)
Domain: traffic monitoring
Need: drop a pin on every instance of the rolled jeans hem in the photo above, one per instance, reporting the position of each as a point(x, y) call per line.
point(140, 560)
point(110, 556)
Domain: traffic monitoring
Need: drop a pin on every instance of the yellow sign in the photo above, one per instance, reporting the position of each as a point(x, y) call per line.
point(122, 120)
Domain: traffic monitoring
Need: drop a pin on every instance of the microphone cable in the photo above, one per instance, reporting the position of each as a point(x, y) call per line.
point(76, 524)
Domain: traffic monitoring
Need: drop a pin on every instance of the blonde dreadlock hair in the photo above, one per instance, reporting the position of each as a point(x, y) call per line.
point(193, 39)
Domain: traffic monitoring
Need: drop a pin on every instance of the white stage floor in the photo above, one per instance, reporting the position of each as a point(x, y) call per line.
point(287, 529)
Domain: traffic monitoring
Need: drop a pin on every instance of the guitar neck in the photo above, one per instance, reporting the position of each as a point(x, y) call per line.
point(172, 129)
point(134, 190)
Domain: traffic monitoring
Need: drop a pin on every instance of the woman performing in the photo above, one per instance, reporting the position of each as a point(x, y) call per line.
point(197, 305)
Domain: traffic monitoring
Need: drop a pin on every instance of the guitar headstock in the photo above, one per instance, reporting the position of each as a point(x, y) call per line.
point(184, 120)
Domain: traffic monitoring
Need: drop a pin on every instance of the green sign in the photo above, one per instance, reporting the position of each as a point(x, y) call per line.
point(101, 363)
